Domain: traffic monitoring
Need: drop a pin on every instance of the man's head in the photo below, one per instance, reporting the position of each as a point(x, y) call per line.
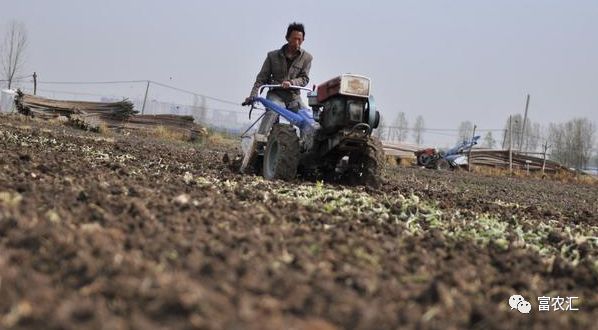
point(295, 35)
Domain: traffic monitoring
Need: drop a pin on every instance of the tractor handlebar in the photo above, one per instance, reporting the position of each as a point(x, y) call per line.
point(250, 101)
point(280, 85)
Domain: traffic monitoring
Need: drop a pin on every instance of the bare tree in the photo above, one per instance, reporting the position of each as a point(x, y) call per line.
point(382, 129)
point(418, 130)
point(532, 134)
point(572, 142)
point(515, 125)
point(465, 130)
point(13, 49)
point(489, 141)
point(401, 127)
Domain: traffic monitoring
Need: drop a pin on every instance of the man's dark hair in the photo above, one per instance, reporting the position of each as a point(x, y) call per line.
point(295, 27)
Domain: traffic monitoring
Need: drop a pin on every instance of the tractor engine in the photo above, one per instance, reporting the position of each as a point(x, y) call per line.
point(344, 102)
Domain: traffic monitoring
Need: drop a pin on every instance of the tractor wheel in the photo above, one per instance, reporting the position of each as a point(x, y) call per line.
point(424, 160)
point(372, 163)
point(282, 153)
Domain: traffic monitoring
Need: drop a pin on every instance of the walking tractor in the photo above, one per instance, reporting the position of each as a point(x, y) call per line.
point(333, 139)
point(445, 159)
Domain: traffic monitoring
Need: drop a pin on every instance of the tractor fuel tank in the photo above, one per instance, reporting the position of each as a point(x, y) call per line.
point(346, 84)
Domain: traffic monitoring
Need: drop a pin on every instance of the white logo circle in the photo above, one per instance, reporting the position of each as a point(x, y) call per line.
point(514, 300)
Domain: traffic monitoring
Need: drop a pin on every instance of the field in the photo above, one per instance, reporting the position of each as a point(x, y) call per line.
point(113, 231)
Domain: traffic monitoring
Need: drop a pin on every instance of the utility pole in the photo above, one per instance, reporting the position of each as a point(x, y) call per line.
point(469, 151)
point(34, 83)
point(544, 156)
point(145, 97)
point(524, 122)
point(510, 145)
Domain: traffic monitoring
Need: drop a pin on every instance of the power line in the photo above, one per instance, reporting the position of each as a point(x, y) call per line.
point(443, 129)
point(228, 110)
point(91, 82)
point(77, 93)
point(136, 82)
point(21, 78)
point(196, 94)
point(443, 134)
point(124, 97)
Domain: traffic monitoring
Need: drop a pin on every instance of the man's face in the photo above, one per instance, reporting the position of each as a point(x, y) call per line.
point(295, 40)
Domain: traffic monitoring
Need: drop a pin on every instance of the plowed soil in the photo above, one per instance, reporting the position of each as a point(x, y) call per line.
point(116, 231)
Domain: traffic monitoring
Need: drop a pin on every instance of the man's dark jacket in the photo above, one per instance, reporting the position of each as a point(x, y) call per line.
point(274, 70)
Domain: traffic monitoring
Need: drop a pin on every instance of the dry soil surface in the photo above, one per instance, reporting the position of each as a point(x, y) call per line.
point(113, 231)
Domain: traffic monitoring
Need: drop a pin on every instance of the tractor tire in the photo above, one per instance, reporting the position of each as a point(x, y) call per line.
point(424, 160)
point(371, 163)
point(282, 154)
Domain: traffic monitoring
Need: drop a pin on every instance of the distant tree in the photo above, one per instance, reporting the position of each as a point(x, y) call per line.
point(533, 136)
point(382, 129)
point(400, 127)
point(512, 129)
point(465, 130)
point(572, 142)
point(527, 139)
point(12, 52)
point(489, 141)
point(418, 130)
point(530, 141)
point(595, 161)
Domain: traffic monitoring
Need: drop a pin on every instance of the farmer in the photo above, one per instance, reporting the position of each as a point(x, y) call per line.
point(287, 66)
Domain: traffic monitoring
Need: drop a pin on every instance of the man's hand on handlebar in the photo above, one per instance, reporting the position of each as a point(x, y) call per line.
point(248, 101)
point(285, 85)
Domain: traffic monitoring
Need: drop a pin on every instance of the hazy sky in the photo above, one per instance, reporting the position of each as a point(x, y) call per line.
point(448, 61)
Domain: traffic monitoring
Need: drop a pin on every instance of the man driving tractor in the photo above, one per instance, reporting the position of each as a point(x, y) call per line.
point(287, 66)
point(331, 139)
